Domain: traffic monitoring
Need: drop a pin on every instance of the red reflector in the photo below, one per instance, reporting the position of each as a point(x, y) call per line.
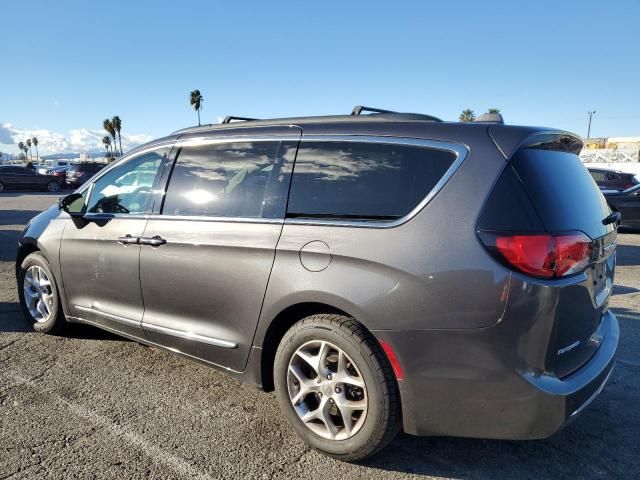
point(393, 360)
point(544, 256)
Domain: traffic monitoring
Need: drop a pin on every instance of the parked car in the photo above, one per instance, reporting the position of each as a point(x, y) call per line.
point(13, 177)
point(381, 272)
point(59, 172)
point(614, 179)
point(627, 203)
point(79, 173)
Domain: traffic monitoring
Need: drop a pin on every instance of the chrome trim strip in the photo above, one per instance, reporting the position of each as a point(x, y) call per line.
point(461, 152)
point(109, 316)
point(196, 218)
point(189, 336)
point(208, 140)
point(592, 397)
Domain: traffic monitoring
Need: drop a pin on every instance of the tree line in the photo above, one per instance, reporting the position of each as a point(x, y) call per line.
point(25, 149)
point(113, 127)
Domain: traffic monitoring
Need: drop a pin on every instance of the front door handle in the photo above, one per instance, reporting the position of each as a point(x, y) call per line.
point(154, 241)
point(129, 240)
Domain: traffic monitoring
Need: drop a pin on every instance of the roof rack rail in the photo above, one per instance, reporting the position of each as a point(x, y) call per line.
point(230, 118)
point(358, 109)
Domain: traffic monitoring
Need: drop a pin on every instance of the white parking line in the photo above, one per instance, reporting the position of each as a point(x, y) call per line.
point(156, 454)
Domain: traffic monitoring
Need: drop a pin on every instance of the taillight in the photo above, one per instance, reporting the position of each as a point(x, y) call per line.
point(541, 255)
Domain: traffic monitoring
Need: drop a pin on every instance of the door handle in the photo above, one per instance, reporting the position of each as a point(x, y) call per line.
point(154, 241)
point(129, 240)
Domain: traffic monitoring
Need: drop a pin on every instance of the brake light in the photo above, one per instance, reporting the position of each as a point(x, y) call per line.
point(541, 255)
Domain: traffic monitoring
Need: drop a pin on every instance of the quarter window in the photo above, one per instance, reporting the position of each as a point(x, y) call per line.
point(360, 180)
point(129, 187)
point(244, 179)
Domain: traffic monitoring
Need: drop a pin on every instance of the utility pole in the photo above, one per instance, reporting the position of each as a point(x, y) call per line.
point(589, 127)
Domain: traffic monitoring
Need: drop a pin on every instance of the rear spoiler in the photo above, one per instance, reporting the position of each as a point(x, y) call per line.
point(509, 139)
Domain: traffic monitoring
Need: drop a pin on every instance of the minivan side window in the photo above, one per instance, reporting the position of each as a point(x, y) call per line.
point(128, 188)
point(241, 179)
point(359, 180)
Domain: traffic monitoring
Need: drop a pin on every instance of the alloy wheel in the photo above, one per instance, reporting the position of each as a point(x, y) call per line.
point(38, 294)
point(53, 186)
point(327, 390)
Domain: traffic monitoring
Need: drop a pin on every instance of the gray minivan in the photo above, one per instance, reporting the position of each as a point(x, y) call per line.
point(380, 271)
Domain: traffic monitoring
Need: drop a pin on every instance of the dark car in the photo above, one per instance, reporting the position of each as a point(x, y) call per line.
point(381, 272)
point(627, 203)
point(60, 172)
point(16, 177)
point(613, 179)
point(79, 173)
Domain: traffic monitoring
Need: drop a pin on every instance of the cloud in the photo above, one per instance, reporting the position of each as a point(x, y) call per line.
point(77, 140)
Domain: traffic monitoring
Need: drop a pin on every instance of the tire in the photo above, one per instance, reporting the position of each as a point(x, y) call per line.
point(53, 186)
point(1, 187)
point(371, 429)
point(55, 322)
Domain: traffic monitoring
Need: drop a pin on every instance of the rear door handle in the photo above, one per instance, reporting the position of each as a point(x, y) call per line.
point(154, 241)
point(129, 240)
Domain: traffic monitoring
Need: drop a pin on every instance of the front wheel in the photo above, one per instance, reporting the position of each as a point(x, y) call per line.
point(38, 293)
point(1, 187)
point(336, 387)
point(53, 186)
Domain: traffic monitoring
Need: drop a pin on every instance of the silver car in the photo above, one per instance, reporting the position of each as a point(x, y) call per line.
point(380, 271)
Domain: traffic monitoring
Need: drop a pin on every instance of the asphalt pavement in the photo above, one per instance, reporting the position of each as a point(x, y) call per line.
point(93, 405)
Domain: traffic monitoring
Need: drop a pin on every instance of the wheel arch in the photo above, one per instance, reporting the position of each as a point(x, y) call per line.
point(282, 322)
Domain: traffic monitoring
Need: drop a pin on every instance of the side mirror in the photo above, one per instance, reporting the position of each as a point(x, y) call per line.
point(73, 204)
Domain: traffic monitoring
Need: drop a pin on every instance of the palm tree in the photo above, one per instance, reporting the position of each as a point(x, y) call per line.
point(117, 126)
point(196, 102)
point(34, 140)
point(467, 116)
point(21, 147)
point(493, 110)
point(29, 145)
point(106, 141)
point(108, 126)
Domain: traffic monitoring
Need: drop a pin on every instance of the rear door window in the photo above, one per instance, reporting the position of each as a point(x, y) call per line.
point(562, 190)
point(238, 179)
point(363, 180)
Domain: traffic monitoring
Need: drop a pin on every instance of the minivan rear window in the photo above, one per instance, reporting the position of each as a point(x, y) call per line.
point(361, 180)
point(562, 190)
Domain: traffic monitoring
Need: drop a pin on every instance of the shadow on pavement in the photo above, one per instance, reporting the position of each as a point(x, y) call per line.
point(12, 321)
point(17, 217)
point(627, 255)
point(8, 245)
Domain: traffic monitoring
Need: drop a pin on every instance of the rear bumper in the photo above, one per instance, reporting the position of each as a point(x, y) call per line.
point(465, 383)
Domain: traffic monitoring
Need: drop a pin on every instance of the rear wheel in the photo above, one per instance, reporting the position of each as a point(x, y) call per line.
point(38, 293)
point(1, 187)
point(53, 186)
point(336, 387)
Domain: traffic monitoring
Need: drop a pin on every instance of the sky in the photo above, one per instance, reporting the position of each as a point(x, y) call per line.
point(67, 65)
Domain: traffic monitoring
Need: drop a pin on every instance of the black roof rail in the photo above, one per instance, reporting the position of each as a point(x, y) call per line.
point(358, 109)
point(230, 118)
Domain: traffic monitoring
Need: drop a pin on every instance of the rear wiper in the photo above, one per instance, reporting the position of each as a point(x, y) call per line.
point(613, 218)
point(343, 216)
